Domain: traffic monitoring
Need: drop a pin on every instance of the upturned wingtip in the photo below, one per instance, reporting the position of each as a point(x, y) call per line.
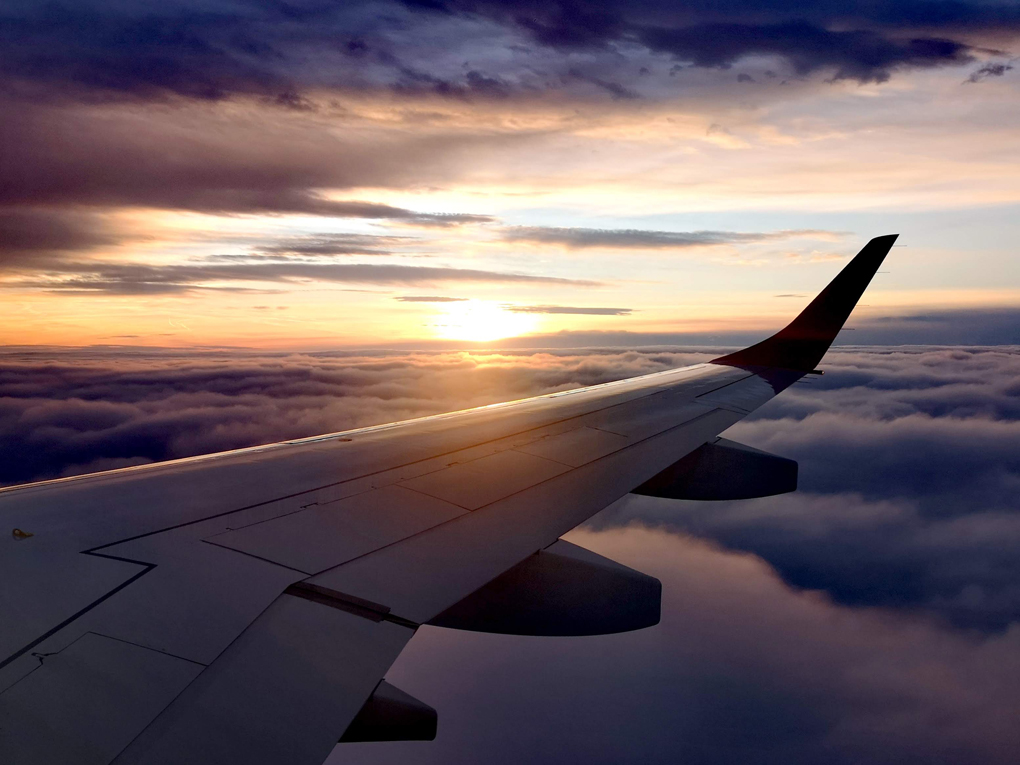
point(803, 342)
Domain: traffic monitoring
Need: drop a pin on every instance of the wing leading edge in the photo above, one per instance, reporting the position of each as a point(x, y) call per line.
point(245, 606)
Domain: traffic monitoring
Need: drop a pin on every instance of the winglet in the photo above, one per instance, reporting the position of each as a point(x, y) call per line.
point(803, 342)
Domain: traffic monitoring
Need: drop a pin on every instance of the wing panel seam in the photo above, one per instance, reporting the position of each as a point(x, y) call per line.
point(69, 620)
point(701, 416)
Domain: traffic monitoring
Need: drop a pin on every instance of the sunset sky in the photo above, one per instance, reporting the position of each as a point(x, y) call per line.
point(226, 223)
point(309, 175)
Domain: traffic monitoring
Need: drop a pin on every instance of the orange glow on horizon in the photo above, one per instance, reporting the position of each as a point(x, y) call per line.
point(482, 321)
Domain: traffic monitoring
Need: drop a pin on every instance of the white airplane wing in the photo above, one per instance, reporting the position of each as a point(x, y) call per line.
point(244, 606)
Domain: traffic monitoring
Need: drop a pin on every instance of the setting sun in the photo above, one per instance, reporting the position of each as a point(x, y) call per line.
point(481, 321)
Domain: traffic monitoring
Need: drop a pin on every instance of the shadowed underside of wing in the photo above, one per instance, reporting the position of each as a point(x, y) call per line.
point(245, 606)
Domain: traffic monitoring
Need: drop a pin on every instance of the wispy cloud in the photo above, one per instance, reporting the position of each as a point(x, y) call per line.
point(429, 299)
point(578, 238)
point(569, 309)
point(989, 70)
point(136, 278)
point(336, 244)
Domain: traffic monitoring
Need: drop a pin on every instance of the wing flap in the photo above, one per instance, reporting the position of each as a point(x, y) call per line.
point(283, 692)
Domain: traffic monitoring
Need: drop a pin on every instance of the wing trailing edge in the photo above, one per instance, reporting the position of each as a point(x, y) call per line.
point(803, 342)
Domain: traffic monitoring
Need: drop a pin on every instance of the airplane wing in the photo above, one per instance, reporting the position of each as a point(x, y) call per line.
point(244, 606)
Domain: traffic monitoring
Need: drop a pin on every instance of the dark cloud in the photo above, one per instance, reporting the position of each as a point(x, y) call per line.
point(411, 81)
point(28, 236)
point(856, 41)
point(138, 278)
point(429, 299)
point(989, 70)
point(77, 157)
point(616, 90)
point(74, 163)
point(576, 238)
point(861, 55)
point(277, 51)
point(114, 104)
point(191, 51)
point(188, 157)
point(569, 309)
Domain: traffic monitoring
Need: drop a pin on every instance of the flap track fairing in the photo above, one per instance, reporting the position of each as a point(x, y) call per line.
point(561, 590)
point(392, 715)
point(721, 470)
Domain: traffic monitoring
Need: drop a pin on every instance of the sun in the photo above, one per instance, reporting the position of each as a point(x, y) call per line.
point(482, 321)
